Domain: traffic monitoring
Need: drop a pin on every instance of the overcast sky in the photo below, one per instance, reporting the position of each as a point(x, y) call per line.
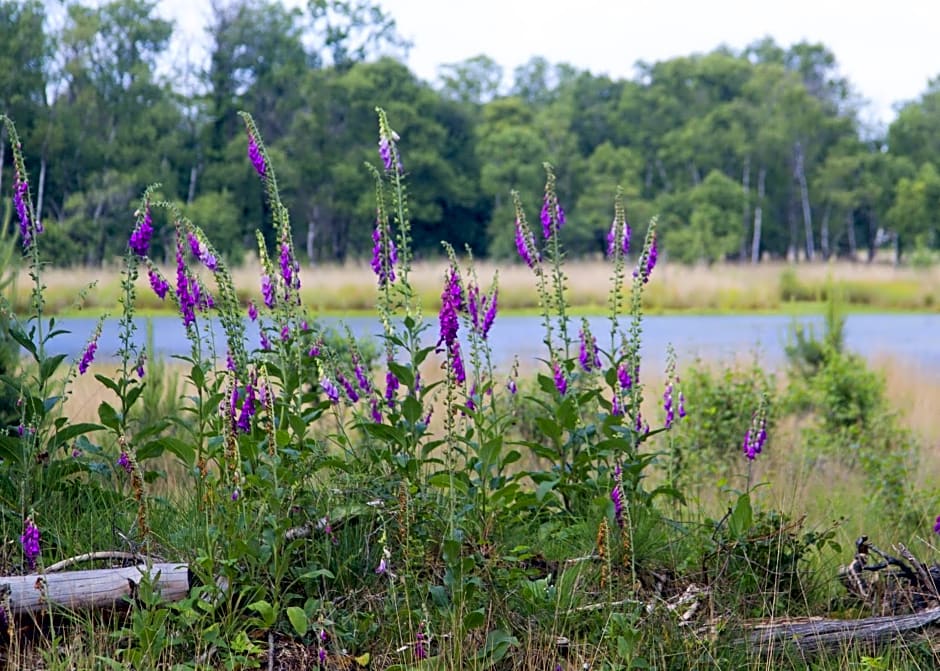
point(888, 50)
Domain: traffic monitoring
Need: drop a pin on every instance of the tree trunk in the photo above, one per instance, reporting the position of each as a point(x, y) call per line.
point(312, 232)
point(667, 185)
point(696, 177)
point(824, 232)
point(191, 193)
point(758, 214)
point(91, 589)
point(850, 231)
point(804, 199)
point(793, 248)
point(746, 210)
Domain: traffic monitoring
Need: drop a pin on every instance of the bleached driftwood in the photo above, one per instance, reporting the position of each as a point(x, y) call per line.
point(90, 589)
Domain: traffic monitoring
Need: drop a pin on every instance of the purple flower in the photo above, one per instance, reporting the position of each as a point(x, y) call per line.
point(616, 495)
point(267, 290)
point(382, 568)
point(451, 304)
point(623, 245)
point(615, 408)
point(525, 245)
point(668, 406)
point(588, 356)
point(644, 273)
point(456, 360)
point(623, 376)
point(88, 356)
point(236, 493)
point(490, 315)
point(252, 311)
point(285, 333)
point(546, 216)
point(187, 300)
point(420, 650)
point(287, 264)
point(140, 238)
point(512, 386)
point(158, 284)
point(351, 392)
point(30, 542)
point(124, 461)
point(385, 152)
point(391, 387)
point(140, 366)
point(254, 154)
point(194, 245)
point(20, 192)
point(243, 423)
point(561, 384)
point(384, 255)
point(681, 405)
point(76, 453)
point(361, 378)
point(329, 389)
point(375, 410)
point(756, 436)
point(936, 526)
point(471, 402)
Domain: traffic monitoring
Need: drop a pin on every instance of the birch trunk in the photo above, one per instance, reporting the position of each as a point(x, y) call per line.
point(850, 230)
point(758, 214)
point(41, 189)
point(824, 233)
point(746, 210)
point(804, 199)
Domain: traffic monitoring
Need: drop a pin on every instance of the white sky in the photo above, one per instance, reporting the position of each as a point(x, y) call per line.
point(887, 50)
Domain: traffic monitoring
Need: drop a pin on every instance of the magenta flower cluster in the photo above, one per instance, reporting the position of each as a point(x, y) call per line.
point(622, 244)
point(755, 437)
point(588, 355)
point(30, 542)
point(329, 388)
point(255, 156)
point(384, 255)
point(561, 382)
point(89, 355)
point(124, 461)
point(644, 272)
point(552, 216)
point(201, 252)
point(20, 196)
point(485, 306)
point(525, 245)
point(451, 304)
point(140, 238)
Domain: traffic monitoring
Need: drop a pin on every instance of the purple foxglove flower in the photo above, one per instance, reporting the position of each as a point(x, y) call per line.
point(623, 244)
point(420, 649)
point(382, 568)
point(252, 311)
point(385, 153)
point(748, 446)
point(561, 384)
point(124, 461)
point(546, 217)
point(668, 406)
point(490, 315)
point(473, 305)
point(140, 366)
point(140, 238)
point(243, 423)
point(623, 376)
point(30, 542)
point(330, 389)
point(525, 245)
point(158, 284)
point(287, 264)
point(644, 273)
point(616, 495)
point(236, 493)
point(615, 408)
point(187, 300)
point(194, 245)
point(255, 156)
point(375, 410)
point(588, 356)
point(267, 291)
point(681, 405)
point(361, 378)
point(285, 333)
point(936, 526)
point(384, 255)
point(88, 356)
point(391, 387)
point(351, 392)
point(76, 453)
point(20, 193)
point(512, 386)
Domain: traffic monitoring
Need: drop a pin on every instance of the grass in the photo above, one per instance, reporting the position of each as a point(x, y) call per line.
point(725, 288)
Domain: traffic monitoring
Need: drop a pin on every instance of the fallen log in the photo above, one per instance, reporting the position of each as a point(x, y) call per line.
point(812, 635)
point(90, 589)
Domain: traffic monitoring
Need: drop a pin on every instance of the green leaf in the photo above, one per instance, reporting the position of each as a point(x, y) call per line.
point(109, 416)
point(298, 620)
point(544, 488)
point(183, 450)
point(48, 367)
point(474, 619)
point(265, 610)
point(73, 431)
point(742, 517)
point(109, 383)
point(403, 373)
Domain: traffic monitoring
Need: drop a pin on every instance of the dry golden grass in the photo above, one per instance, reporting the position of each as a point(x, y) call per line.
point(723, 288)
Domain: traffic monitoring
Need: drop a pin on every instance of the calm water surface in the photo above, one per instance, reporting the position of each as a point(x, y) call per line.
point(908, 338)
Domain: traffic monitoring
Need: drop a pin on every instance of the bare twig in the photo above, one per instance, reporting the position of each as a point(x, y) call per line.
point(94, 556)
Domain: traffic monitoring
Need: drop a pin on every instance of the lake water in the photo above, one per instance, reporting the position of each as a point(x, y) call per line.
point(910, 338)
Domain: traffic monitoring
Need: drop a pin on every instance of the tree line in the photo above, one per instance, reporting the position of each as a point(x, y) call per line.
point(743, 154)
